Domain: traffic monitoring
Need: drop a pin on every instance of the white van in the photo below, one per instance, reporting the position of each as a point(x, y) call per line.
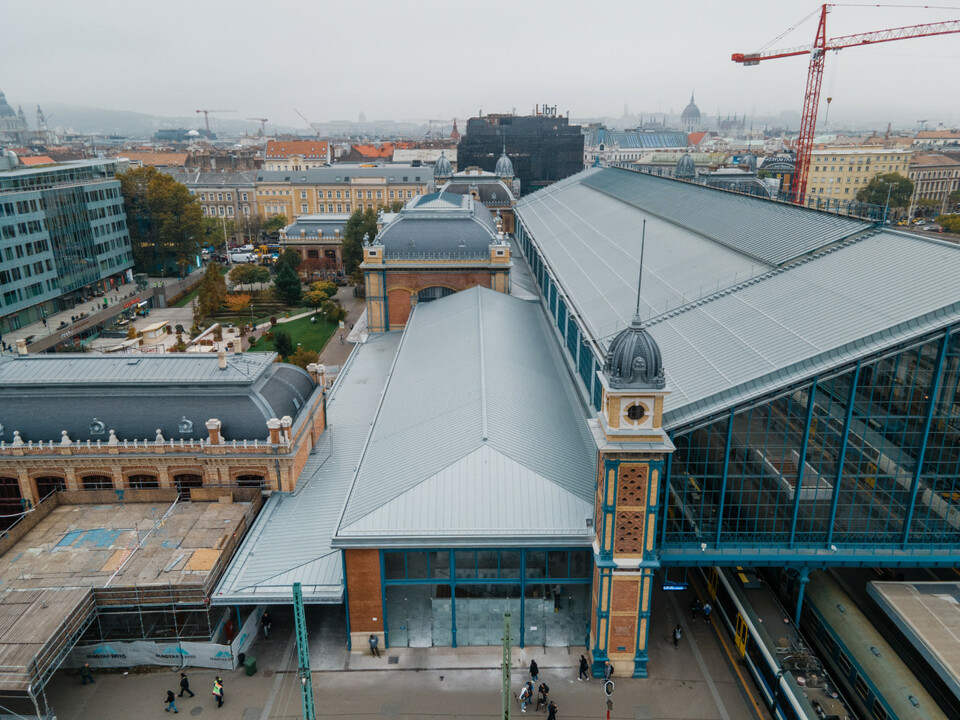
point(242, 258)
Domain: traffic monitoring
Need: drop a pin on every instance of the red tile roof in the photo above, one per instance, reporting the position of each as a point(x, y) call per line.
point(938, 134)
point(693, 139)
point(156, 159)
point(312, 149)
point(36, 160)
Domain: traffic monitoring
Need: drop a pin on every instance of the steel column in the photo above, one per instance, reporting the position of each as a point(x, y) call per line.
point(803, 462)
point(843, 453)
point(666, 495)
point(803, 579)
point(453, 596)
point(523, 594)
point(915, 485)
point(723, 485)
point(303, 655)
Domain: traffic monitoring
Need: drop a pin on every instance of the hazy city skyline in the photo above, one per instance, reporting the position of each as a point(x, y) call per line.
point(434, 60)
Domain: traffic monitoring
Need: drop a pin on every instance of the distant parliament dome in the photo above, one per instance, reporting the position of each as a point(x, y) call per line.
point(504, 167)
point(443, 168)
point(691, 116)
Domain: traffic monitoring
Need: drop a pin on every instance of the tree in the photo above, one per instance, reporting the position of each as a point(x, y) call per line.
point(213, 231)
point(289, 257)
point(953, 200)
point(302, 357)
point(238, 303)
point(327, 287)
point(283, 343)
point(396, 206)
point(243, 274)
point(900, 190)
point(287, 285)
point(164, 220)
point(949, 223)
point(275, 223)
point(333, 312)
point(212, 292)
point(315, 298)
point(361, 223)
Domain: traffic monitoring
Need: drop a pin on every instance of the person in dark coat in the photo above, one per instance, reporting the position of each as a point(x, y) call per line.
point(534, 670)
point(86, 675)
point(584, 668)
point(552, 711)
point(171, 705)
point(185, 685)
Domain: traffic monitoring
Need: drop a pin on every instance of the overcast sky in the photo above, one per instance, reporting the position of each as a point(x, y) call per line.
point(425, 59)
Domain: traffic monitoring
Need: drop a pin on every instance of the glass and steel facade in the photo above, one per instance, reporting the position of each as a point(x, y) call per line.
point(62, 229)
point(457, 597)
point(880, 446)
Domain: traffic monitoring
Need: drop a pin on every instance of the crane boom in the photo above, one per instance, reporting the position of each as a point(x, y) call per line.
point(817, 52)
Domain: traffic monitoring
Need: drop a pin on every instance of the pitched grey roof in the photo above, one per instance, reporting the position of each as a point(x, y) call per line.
point(345, 173)
point(480, 437)
point(440, 223)
point(731, 327)
point(328, 222)
point(196, 178)
point(290, 540)
point(42, 395)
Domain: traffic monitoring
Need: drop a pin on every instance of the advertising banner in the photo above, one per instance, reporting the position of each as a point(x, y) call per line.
point(248, 633)
point(144, 652)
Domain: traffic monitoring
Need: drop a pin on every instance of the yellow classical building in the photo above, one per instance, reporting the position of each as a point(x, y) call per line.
point(338, 189)
point(839, 173)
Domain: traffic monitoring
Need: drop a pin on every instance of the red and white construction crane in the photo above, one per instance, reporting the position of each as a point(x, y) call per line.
point(811, 98)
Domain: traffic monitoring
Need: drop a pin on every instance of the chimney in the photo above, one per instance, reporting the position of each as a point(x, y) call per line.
point(213, 427)
point(273, 425)
point(286, 422)
point(21, 346)
point(222, 359)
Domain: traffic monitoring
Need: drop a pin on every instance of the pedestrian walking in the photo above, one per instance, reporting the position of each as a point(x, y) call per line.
point(584, 668)
point(707, 609)
point(534, 670)
point(341, 338)
point(171, 705)
point(525, 696)
point(552, 711)
point(185, 685)
point(676, 637)
point(266, 622)
point(374, 646)
point(694, 608)
point(218, 691)
point(86, 674)
point(607, 670)
point(542, 692)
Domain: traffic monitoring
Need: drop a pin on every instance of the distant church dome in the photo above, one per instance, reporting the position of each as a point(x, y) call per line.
point(633, 359)
point(686, 168)
point(5, 109)
point(504, 167)
point(193, 133)
point(691, 116)
point(443, 168)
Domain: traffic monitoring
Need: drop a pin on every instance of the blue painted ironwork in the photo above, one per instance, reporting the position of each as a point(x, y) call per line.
point(843, 453)
point(346, 603)
point(918, 470)
point(804, 578)
point(802, 463)
point(452, 562)
point(726, 467)
point(303, 655)
point(665, 503)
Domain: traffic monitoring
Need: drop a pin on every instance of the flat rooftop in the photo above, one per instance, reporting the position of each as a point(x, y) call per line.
point(928, 614)
point(80, 554)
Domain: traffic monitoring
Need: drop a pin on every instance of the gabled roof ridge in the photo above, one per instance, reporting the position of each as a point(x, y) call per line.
point(845, 242)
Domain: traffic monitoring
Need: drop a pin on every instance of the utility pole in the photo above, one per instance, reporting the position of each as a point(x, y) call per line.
point(505, 668)
point(303, 655)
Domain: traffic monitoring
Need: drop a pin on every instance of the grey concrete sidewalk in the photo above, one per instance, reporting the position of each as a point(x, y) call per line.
point(695, 682)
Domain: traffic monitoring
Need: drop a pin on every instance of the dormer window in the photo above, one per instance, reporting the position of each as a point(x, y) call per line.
point(97, 427)
point(185, 426)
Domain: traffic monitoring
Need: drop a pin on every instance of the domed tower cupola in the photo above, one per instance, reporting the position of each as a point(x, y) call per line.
point(443, 170)
point(686, 168)
point(634, 386)
point(690, 118)
point(504, 167)
point(633, 360)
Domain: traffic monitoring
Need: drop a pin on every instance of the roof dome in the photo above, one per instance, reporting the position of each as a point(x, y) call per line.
point(633, 359)
point(5, 109)
point(686, 168)
point(504, 167)
point(691, 111)
point(443, 168)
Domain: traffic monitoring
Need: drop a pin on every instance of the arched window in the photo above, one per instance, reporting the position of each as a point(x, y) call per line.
point(185, 482)
point(256, 481)
point(143, 482)
point(47, 485)
point(98, 482)
point(433, 293)
point(10, 501)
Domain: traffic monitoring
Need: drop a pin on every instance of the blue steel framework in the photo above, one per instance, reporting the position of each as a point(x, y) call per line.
point(880, 440)
point(518, 567)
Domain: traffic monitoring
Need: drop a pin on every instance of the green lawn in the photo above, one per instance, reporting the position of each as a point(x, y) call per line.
point(309, 335)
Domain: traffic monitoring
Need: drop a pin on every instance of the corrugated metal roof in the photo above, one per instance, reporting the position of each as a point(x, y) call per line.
point(770, 232)
point(290, 541)
point(742, 338)
point(476, 370)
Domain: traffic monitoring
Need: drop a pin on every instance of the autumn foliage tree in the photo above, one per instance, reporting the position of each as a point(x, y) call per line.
point(164, 220)
point(212, 293)
point(238, 303)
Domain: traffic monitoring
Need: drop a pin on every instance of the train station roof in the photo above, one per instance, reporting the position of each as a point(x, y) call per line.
point(743, 295)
